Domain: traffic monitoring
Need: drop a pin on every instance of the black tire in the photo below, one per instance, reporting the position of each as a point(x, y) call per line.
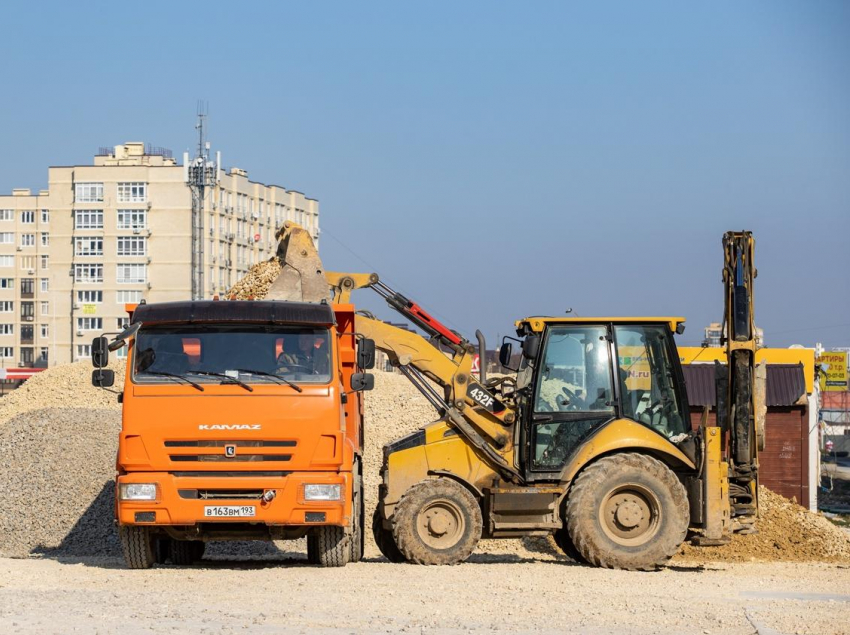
point(358, 513)
point(437, 522)
point(384, 539)
point(186, 552)
point(329, 546)
point(138, 546)
point(627, 511)
point(565, 543)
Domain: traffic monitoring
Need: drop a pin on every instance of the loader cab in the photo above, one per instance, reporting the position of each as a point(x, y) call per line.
point(586, 373)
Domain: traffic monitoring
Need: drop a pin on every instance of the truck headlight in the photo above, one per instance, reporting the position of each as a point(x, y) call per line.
point(137, 491)
point(314, 492)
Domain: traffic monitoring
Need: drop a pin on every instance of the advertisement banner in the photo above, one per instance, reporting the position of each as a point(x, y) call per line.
point(833, 375)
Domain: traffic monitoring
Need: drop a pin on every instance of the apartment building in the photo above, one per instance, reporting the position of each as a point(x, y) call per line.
point(119, 231)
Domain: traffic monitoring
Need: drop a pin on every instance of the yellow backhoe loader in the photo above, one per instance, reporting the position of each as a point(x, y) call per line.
point(591, 440)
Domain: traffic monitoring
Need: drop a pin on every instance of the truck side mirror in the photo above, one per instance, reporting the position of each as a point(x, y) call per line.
point(102, 377)
point(531, 346)
point(505, 352)
point(100, 352)
point(366, 353)
point(362, 381)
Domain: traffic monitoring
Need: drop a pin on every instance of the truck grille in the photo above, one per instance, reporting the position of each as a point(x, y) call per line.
point(221, 494)
point(240, 457)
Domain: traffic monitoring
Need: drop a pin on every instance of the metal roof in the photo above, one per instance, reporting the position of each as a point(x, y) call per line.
point(254, 311)
point(786, 383)
point(537, 323)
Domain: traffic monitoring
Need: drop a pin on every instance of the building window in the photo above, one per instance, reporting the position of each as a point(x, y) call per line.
point(7, 329)
point(132, 192)
point(83, 350)
point(28, 217)
point(42, 354)
point(132, 246)
point(27, 240)
point(26, 356)
point(45, 262)
point(45, 239)
point(45, 285)
point(7, 261)
point(27, 333)
point(7, 283)
point(45, 331)
point(45, 216)
point(88, 273)
point(128, 297)
point(7, 214)
point(88, 192)
point(90, 324)
point(27, 311)
point(7, 238)
point(132, 274)
point(45, 308)
point(7, 352)
point(132, 219)
point(90, 297)
point(28, 262)
point(88, 219)
point(27, 287)
point(122, 323)
point(7, 307)
point(88, 246)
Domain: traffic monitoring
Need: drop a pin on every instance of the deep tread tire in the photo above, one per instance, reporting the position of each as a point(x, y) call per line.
point(138, 546)
point(417, 499)
point(329, 546)
point(384, 539)
point(186, 552)
point(565, 544)
point(588, 493)
point(162, 550)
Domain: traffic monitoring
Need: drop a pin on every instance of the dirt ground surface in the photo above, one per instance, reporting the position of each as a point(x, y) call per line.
point(486, 594)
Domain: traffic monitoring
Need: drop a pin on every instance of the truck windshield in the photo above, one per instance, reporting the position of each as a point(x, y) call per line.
point(249, 353)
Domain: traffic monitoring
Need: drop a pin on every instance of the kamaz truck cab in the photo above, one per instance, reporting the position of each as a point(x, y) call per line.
point(241, 421)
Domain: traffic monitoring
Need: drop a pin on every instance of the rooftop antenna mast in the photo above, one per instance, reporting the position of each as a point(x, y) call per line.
point(200, 173)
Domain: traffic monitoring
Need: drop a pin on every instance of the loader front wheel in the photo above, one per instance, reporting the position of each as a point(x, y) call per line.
point(138, 546)
point(384, 539)
point(437, 522)
point(627, 511)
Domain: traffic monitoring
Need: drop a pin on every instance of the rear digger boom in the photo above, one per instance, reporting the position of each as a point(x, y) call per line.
point(591, 442)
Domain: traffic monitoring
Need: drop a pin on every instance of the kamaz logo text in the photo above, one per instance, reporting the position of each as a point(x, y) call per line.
point(225, 426)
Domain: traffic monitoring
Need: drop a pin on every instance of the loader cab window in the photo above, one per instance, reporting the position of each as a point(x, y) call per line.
point(200, 351)
point(574, 394)
point(649, 389)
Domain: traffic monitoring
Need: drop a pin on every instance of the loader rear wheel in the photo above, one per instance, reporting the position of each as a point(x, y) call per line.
point(437, 522)
point(384, 539)
point(138, 546)
point(329, 546)
point(627, 511)
point(186, 552)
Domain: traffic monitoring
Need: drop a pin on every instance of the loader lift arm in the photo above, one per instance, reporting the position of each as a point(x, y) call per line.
point(468, 405)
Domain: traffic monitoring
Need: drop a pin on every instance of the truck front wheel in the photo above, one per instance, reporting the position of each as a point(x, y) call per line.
point(138, 546)
point(627, 511)
point(329, 546)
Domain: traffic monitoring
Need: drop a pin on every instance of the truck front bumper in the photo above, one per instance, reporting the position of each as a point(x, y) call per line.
point(183, 500)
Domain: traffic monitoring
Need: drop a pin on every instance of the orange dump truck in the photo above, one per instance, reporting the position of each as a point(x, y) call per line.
point(241, 421)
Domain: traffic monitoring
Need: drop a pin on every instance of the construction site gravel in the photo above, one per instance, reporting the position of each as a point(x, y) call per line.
point(58, 439)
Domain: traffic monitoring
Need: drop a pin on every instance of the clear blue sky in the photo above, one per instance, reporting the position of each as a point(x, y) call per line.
point(491, 159)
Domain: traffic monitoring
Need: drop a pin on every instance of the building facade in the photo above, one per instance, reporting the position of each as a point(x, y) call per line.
point(119, 231)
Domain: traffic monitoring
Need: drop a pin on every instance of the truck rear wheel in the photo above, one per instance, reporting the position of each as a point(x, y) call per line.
point(185, 552)
point(384, 539)
point(627, 511)
point(138, 546)
point(437, 522)
point(329, 546)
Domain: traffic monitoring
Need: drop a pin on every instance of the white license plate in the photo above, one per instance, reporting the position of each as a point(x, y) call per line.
point(229, 511)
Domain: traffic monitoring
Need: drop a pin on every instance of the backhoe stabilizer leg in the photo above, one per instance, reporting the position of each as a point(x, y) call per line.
point(717, 526)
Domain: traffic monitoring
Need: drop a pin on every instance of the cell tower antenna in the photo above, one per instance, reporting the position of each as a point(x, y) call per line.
point(200, 173)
